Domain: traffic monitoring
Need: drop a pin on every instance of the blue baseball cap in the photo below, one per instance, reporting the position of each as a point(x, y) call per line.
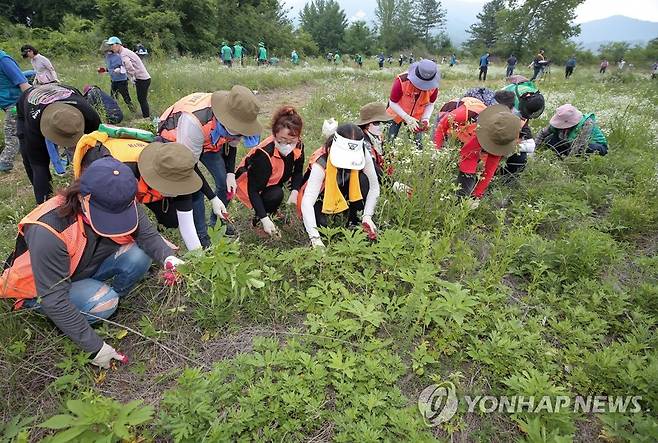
point(108, 189)
point(113, 40)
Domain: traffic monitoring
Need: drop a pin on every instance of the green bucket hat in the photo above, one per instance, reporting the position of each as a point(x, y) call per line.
point(498, 130)
point(237, 110)
point(169, 169)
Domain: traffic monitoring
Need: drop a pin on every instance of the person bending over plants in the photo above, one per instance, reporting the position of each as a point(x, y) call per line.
point(167, 176)
point(276, 161)
point(372, 118)
point(212, 125)
point(572, 132)
point(458, 118)
point(495, 137)
point(340, 178)
point(68, 247)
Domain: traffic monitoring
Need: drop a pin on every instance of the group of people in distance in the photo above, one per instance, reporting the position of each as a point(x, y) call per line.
point(96, 230)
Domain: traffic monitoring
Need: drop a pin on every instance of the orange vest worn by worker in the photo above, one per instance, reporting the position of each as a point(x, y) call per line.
point(17, 281)
point(276, 161)
point(461, 121)
point(199, 105)
point(125, 150)
point(413, 101)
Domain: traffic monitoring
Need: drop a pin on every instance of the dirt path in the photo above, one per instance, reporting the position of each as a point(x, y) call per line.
point(297, 97)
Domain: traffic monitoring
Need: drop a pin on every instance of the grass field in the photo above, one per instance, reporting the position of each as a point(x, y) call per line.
point(549, 287)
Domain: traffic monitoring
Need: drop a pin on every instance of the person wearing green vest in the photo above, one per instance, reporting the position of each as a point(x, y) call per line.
point(238, 52)
point(337, 58)
point(226, 54)
point(572, 132)
point(359, 60)
point(294, 57)
point(528, 101)
point(262, 54)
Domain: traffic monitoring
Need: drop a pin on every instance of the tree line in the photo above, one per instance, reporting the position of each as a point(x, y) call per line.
point(197, 27)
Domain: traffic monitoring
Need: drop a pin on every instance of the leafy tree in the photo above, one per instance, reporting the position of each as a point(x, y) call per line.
point(485, 32)
point(359, 38)
point(47, 13)
point(427, 15)
point(614, 51)
point(325, 21)
point(386, 21)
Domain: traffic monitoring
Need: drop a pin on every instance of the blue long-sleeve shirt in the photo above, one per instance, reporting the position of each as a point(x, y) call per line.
point(11, 77)
point(114, 61)
point(484, 61)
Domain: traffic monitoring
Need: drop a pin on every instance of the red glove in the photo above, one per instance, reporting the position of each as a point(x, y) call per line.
point(101, 70)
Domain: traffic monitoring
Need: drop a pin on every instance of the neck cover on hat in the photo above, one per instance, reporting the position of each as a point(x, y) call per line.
point(221, 132)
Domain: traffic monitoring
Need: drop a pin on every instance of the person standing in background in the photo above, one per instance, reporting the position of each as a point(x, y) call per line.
point(118, 78)
point(511, 64)
point(12, 84)
point(238, 51)
point(604, 66)
point(453, 60)
point(136, 71)
point(262, 54)
point(45, 72)
point(484, 66)
point(226, 54)
point(570, 66)
point(538, 64)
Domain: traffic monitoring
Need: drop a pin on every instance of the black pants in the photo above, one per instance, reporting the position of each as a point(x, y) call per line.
point(568, 71)
point(515, 163)
point(483, 73)
point(272, 197)
point(602, 70)
point(353, 207)
point(37, 167)
point(142, 93)
point(121, 87)
point(164, 212)
point(510, 71)
point(536, 74)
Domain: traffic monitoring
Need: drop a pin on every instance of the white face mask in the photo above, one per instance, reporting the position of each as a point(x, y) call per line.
point(284, 148)
point(375, 129)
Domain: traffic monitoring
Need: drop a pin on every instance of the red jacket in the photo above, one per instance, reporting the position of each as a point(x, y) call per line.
point(471, 155)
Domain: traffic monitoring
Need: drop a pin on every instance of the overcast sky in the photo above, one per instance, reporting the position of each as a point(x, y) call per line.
point(590, 10)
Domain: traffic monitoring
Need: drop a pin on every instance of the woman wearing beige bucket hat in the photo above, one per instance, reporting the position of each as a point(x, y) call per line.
point(167, 178)
point(53, 112)
point(371, 121)
point(212, 125)
point(572, 132)
point(495, 137)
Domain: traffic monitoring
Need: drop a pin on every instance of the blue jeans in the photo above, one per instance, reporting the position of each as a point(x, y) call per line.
point(394, 129)
point(125, 268)
point(214, 162)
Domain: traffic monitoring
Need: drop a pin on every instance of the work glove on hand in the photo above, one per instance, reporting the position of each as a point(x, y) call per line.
point(424, 125)
point(527, 146)
point(369, 227)
point(117, 70)
point(412, 123)
point(472, 203)
point(329, 127)
point(218, 208)
point(231, 185)
point(292, 200)
point(106, 355)
point(316, 242)
point(269, 227)
point(170, 275)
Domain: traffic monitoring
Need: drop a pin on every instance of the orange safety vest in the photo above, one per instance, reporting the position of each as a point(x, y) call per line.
point(465, 131)
point(199, 105)
point(17, 281)
point(276, 161)
point(319, 157)
point(413, 101)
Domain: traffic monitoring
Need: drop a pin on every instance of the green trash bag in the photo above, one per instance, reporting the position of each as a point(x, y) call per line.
point(120, 132)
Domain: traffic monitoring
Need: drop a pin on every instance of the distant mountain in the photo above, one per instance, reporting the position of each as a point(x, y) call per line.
point(616, 28)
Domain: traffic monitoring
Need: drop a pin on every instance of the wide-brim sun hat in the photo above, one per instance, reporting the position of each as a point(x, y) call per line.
point(346, 153)
point(237, 110)
point(169, 169)
point(498, 130)
point(62, 124)
point(108, 188)
point(373, 112)
point(424, 75)
point(566, 116)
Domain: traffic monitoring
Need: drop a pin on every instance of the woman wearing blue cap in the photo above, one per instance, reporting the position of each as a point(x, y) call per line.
point(68, 247)
point(136, 71)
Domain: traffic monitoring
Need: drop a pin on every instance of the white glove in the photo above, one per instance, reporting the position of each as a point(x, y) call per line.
point(316, 242)
point(472, 203)
point(366, 219)
point(231, 185)
point(412, 123)
point(269, 226)
point(527, 146)
point(172, 262)
point(218, 208)
point(117, 70)
point(329, 127)
point(106, 355)
point(292, 200)
point(401, 187)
